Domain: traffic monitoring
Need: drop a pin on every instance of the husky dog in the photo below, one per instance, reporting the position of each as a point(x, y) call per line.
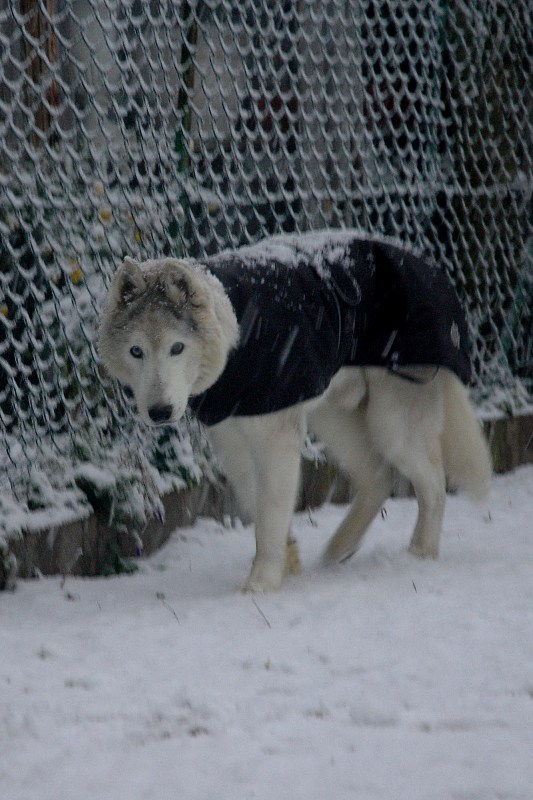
point(353, 337)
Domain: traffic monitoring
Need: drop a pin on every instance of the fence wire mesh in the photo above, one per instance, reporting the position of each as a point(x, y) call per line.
point(158, 127)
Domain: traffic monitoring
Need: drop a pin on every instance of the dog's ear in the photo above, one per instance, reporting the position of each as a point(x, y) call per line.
point(177, 285)
point(129, 282)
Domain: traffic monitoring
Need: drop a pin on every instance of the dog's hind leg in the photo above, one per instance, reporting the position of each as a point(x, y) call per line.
point(429, 483)
point(405, 421)
point(346, 437)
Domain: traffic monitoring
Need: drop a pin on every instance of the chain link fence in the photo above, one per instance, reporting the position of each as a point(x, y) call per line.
point(159, 127)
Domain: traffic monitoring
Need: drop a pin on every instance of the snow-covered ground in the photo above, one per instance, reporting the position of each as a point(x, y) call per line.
point(386, 678)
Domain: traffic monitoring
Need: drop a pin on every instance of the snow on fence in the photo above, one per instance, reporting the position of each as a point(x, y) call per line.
point(150, 128)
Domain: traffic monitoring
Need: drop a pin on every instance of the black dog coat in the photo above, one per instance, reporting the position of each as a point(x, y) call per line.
point(308, 305)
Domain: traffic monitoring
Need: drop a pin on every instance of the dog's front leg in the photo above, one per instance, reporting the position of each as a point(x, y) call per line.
point(275, 442)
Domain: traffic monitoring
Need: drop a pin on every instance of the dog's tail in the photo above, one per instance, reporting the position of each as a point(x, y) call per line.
point(467, 460)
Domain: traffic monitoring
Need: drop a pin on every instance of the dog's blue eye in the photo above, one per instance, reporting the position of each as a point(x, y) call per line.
point(136, 351)
point(177, 348)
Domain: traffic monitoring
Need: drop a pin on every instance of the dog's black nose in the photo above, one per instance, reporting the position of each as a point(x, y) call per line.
point(160, 413)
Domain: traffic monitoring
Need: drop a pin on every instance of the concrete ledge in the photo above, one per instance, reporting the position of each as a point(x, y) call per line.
point(83, 547)
point(511, 442)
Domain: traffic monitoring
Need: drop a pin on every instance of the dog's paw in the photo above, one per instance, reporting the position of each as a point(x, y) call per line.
point(337, 553)
point(424, 551)
point(294, 565)
point(264, 577)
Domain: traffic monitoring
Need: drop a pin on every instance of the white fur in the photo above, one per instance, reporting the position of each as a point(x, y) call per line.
point(158, 378)
point(371, 421)
point(153, 306)
point(261, 457)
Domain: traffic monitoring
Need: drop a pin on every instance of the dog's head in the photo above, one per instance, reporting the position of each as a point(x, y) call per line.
point(167, 330)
